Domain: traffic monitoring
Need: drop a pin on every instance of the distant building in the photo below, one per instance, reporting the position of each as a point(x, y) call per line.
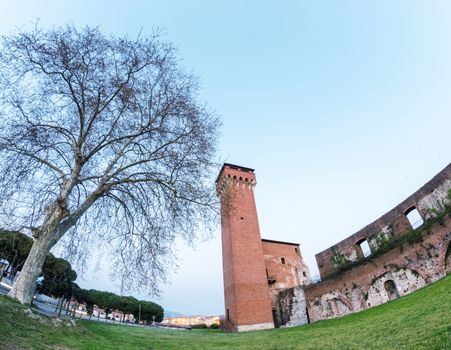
point(186, 321)
point(115, 315)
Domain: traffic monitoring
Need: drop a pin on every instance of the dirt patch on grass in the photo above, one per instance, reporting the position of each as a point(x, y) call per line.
point(11, 347)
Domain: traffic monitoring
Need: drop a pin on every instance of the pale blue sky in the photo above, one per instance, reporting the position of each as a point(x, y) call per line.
point(342, 107)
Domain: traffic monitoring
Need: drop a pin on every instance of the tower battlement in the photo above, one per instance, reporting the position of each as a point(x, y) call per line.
point(236, 175)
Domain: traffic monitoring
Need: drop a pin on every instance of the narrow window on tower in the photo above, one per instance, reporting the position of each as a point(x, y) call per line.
point(283, 260)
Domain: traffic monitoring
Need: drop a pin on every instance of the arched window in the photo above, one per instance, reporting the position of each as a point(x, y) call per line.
point(414, 217)
point(390, 288)
point(275, 319)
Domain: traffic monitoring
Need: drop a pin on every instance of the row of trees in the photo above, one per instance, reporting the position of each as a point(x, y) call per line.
point(14, 247)
point(142, 310)
point(58, 281)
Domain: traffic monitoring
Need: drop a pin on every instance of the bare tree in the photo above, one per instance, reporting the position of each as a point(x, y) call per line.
point(102, 139)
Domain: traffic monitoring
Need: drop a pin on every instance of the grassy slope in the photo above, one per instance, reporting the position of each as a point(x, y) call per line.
point(421, 320)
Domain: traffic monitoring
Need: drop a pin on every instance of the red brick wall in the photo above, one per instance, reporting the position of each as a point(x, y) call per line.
point(408, 267)
point(394, 220)
point(282, 276)
point(246, 291)
point(411, 266)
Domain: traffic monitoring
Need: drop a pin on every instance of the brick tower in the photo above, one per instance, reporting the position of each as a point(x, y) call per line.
point(246, 293)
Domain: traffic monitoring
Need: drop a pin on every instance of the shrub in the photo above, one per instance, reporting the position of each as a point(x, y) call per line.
point(199, 326)
point(339, 259)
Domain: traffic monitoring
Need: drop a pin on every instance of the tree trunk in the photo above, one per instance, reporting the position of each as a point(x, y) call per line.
point(25, 285)
point(44, 238)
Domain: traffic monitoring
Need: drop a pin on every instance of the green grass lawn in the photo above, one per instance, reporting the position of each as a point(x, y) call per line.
point(421, 320)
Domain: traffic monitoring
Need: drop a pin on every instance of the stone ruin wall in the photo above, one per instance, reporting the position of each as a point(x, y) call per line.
point(292, 307)
point(285, 269)
point(390, 224)
point(410, 267)
point(384, 276)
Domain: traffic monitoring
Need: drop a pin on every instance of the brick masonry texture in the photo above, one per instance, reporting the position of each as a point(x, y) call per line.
point(285, 267)
point(246, 296)
point(254, 270)
point(409, 267)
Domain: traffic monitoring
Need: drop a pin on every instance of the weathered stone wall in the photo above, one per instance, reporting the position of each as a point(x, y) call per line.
point(402, 260)
point(409, 267)
point(427, 199)
point(292, 307)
